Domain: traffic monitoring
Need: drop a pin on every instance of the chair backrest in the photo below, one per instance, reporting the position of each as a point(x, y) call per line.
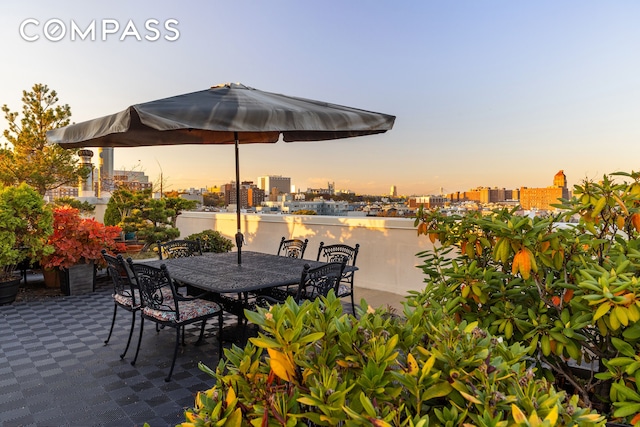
point(151, 281)
point(292, 248)
point(123, 283)
point(338, 252)
point(179, 249)
point(318, 281)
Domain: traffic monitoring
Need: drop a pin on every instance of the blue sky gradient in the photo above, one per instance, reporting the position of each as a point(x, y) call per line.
point(486, 93)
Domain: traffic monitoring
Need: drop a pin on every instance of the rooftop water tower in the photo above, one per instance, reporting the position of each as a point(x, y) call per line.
point(85, 187)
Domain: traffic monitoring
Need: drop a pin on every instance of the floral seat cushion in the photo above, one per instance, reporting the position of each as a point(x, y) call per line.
point(188, 310)
point(343, 290)
point(126, 300)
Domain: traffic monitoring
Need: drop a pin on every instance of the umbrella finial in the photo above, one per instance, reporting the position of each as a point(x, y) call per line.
point(236, 85)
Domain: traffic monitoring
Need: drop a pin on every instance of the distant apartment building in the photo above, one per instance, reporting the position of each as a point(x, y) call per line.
point(133, 180)
point(428, 202)
point(543, 198)
point(273, 185)
point(65, 191)
point(319, 206)
point(250, 195)
point(483, 195)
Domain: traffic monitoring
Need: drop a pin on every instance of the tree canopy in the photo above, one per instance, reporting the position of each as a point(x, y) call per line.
point(26, 156)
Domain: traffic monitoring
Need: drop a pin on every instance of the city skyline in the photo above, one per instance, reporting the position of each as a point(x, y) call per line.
point(484, 94)
point(551, 184)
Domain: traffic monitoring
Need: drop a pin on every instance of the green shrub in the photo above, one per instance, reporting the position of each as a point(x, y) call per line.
point(26, 223)
point(212, 241)
point(563, 285)
point(314, 365)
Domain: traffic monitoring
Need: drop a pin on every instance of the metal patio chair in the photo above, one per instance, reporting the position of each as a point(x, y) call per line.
point(314, 283)
point(176, 312)
point(179, 248)
point(125, 293)
point(293, 248)
point(340, 252)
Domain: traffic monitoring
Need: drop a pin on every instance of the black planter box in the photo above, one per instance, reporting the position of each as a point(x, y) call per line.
point(78, 279)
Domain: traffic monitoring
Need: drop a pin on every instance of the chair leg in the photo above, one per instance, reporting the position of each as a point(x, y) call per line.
point(175, 354)
point(133, 362)
point(220, 322)
point(201, 337)
point(133, 324)
point(353, 303)
point(113, 321)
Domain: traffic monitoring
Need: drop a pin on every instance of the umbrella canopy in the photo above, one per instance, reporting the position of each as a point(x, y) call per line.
point(224, 114)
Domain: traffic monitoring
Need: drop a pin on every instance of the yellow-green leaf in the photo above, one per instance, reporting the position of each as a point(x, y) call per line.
point(552, 417)
point(311, 337)
point(264, 342)
point(412, 365)
point(235, 419)
point(602, 310)
point(440, 390)
point(470, 398)
point(470, 327)
point(518, 416)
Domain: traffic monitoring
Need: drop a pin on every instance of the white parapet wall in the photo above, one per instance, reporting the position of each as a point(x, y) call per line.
point(388, 246)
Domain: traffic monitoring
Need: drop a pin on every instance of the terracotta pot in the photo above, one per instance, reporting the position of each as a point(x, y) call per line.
point(134, 248)
point(51, 277)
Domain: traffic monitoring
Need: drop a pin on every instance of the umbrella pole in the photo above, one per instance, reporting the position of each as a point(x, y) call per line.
point(239, 236)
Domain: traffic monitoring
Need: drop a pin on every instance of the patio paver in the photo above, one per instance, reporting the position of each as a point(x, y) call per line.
point(56, 371)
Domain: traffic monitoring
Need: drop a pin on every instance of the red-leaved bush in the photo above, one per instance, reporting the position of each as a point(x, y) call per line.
point(79, 240)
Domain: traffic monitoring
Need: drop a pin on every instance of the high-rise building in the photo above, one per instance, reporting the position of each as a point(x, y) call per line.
point(267, 183)
point(394, 191)
point(105, 170)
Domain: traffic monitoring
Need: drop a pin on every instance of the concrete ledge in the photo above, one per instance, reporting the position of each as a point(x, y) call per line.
point(388, 246)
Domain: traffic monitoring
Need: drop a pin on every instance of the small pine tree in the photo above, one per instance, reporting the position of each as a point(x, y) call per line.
point(28, 157)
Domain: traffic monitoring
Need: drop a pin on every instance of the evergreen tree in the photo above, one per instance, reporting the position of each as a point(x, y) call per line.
point(27, 157)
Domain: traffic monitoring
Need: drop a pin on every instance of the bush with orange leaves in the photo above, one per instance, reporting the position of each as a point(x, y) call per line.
point(76, 239)
point(565, 285)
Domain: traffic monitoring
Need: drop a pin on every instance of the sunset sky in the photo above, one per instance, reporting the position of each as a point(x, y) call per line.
point(485, 93)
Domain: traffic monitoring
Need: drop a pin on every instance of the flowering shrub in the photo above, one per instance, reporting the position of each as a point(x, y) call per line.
point(77, 240)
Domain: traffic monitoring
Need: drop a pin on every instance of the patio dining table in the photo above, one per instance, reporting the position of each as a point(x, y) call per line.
point(220, 274)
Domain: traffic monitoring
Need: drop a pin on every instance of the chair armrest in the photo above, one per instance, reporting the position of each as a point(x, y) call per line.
point(265, 301)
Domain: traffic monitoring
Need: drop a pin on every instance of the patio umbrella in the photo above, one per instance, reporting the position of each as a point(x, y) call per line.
point(223, 114)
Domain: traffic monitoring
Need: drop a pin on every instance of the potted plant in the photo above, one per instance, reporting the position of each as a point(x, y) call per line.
point(143, 219)
point(77, 244)
point(25, 225)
